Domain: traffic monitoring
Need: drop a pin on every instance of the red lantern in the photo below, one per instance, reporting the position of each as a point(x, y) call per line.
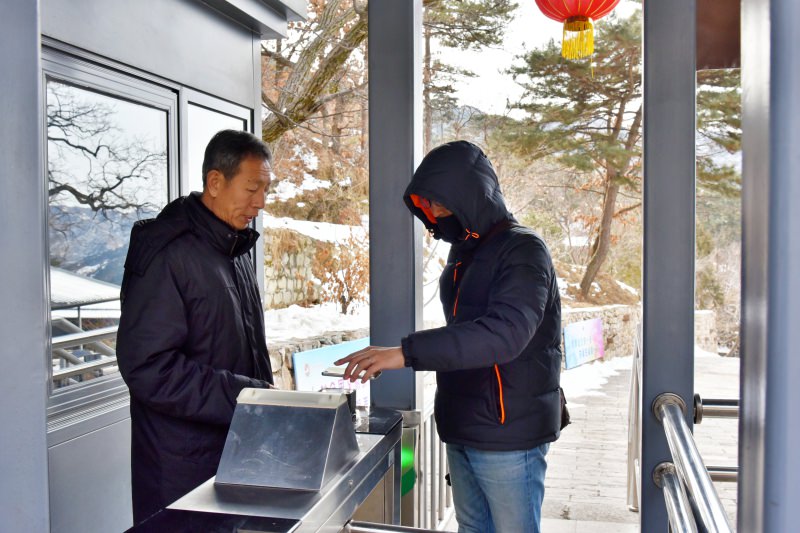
point(578, 17)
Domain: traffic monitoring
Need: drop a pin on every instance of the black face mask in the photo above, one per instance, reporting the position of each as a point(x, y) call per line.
point(451, 229)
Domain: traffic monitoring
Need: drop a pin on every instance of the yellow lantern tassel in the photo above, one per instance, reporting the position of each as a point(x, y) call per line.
point(578, 39)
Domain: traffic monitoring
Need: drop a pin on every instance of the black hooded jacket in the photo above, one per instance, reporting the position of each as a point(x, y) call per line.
point(498, 360)
point(191, 337)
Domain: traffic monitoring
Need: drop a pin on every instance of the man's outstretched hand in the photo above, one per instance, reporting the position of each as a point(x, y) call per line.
point(369, 361)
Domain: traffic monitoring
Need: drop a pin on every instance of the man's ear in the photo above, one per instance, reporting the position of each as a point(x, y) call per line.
point(214, 182)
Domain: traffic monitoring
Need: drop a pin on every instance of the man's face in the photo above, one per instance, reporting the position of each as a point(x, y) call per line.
point(237, 201)
point(435, 209)
point(438, 210)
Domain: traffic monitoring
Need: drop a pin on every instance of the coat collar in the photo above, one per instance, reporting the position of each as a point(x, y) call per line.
point(217, 233)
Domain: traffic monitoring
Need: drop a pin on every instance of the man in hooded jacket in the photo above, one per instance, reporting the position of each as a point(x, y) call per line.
point(191, 332)
point(498, 359)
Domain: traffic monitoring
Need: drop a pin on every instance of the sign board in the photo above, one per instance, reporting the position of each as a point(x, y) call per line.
point(309, 365)
point(583, 342)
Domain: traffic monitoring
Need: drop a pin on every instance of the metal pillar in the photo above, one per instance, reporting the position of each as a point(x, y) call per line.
point(769, 421)
point(23, 316)
point(394, 150)
point(669, 187)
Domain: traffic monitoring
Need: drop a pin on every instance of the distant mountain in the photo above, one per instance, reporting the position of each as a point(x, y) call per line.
point(89, 243)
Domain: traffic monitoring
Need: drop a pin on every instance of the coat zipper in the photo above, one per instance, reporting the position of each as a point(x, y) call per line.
point(500, 394)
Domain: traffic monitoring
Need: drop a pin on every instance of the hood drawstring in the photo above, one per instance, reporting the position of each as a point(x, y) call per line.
point(471, 234)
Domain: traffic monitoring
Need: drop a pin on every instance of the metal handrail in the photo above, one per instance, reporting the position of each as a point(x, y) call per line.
point(634, 427)
point(669, 409)
point(82, 368)
point(679, 510)
point(76, 339)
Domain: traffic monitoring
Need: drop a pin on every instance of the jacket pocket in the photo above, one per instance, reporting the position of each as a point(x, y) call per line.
point(498, 400)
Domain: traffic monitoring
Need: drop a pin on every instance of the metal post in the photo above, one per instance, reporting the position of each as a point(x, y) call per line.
point(669, 184)
point(394, 148)
point(433, 502)
point(24, 501)
point(769, 422)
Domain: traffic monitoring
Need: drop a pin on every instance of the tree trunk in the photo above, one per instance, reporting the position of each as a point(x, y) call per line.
point(303, 94)
point(364, 141)
point(603, 240)
point(336, 128)
point(427, 111)
point(325, 156)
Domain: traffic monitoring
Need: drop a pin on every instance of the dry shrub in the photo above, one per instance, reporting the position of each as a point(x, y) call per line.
point(343, 270)
point(283, 241)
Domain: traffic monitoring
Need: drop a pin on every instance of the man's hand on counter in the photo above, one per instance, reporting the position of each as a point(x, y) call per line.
point(367, 362)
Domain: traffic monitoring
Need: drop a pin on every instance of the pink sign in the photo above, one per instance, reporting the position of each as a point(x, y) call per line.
point(583, 342)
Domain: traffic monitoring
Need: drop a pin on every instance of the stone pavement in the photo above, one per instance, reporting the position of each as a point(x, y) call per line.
point(586, 484)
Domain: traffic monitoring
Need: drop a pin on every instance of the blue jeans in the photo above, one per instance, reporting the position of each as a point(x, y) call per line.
point(497, 492)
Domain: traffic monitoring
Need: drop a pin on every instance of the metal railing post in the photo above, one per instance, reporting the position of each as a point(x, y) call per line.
point(714, 408)
point(669, 409)
point(678, 508)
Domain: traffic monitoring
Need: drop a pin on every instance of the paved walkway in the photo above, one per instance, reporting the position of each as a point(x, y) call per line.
point(586, 484)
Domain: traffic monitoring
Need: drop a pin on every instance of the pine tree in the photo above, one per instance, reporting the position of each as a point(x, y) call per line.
point(462, 24)
point(588, 117)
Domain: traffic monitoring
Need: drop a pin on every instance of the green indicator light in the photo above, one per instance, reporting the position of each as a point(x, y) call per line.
point(409, 474)
point(407, 481)
point(406, 458)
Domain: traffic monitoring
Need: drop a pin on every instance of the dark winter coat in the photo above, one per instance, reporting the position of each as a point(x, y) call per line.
point(498, 360)
point(191, 337)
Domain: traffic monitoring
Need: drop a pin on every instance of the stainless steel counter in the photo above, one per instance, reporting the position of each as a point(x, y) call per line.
point(269, 510)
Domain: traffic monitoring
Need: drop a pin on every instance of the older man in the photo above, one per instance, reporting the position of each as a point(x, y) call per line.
point(191, 334)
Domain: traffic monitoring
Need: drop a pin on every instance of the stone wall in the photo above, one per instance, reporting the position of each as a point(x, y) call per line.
point(280, 354)
point(619, 332)
point(288, 277)
point(705, 330)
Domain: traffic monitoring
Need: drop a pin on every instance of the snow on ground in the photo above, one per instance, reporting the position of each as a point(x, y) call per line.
point(322, 231)
point(286, 190)
point(563, 286)
point(699, 352)
point(295, 322)
point(627, 288)
point(588, 379)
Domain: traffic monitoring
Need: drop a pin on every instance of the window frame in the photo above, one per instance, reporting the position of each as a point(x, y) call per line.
point(190, 97)
point(100, 400)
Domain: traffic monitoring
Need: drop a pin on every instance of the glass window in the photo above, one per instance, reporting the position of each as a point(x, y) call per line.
point(203, 124)
point(107, 167)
